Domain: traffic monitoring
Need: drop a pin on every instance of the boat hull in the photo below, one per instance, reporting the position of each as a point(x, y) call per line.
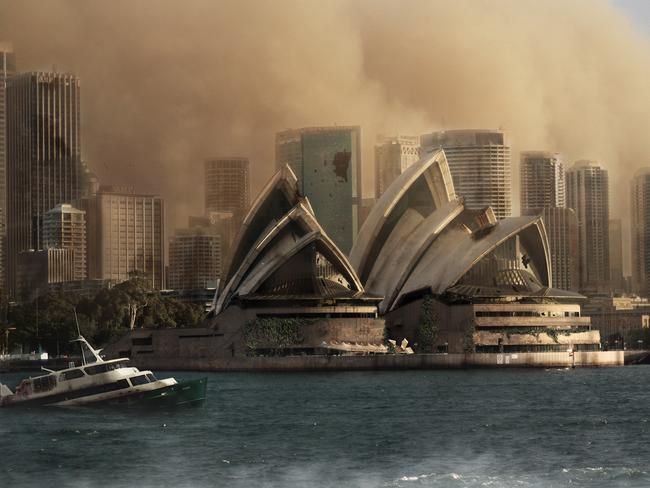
point(185, 393)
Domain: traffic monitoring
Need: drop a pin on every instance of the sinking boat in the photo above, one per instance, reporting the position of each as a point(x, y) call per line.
point(99, 382)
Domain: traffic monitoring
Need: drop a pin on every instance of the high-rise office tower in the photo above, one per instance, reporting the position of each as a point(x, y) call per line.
point(125, 235)
point(194, 258)
point(227, 186)
point(562, 230)
point(543, 191)
point(588, 195)
point(7, 69)
point(327, 163)
point(392, 156)
point(640, 231)
point(616, 255)
point(542, 181)
point(43, 155)
point(64, 227)
point(479, 161)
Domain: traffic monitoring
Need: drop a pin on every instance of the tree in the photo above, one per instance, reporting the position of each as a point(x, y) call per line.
point(429, 326)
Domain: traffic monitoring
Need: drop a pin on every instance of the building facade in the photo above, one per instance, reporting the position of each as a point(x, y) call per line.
point(38, 270)
point(543, 192)
point(7, 69)
point(392, 156)
point(195, 259)
point(616, 255)
point(479, 161)
point(126, 235)
point(640, 231)
point(227, 186)
point(561, 226)
point(64, 227)
point(588, 196)
point(542, 181)
point(327, 164)
point(43, 155)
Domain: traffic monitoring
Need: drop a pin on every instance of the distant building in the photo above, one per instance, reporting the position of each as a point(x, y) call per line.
point(392, 156)
point(125, 235)
point(640, 231)
point(620, 320)
point(542, 181)
point(562, 229)
point(227, 186)
point(327, 163)
point(616, 255)
point(543, 192)
point(194, 259)
point(43, 155)
point(64, 227)
point(37, 270)
point(588, 196)
point(479, 161)
point(7, 69)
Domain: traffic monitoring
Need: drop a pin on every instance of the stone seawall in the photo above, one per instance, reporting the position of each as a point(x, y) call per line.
point(381, 362)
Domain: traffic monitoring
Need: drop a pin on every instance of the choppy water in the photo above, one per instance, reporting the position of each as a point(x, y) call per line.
point(494, 428)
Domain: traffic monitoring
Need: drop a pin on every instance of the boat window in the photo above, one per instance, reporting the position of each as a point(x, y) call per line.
point(151, 377)
point(71, 375)
point(102, 368)
point(44, 383)
point(139, 380)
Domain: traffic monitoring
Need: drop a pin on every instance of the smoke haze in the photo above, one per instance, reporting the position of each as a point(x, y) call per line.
point(166, 84)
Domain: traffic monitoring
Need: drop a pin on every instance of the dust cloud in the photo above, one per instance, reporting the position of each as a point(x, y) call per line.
point(166, 84)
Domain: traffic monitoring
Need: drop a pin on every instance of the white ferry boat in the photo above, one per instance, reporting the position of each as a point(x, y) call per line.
point(98, 381)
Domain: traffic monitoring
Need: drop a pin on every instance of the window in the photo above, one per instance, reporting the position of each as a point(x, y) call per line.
point(71, 375)
point(102, 368)
point(139, 380)
point(151, 377)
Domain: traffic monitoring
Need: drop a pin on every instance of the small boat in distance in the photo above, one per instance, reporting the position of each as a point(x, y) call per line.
point(98, 381)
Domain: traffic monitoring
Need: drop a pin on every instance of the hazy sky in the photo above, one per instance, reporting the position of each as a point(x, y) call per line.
point(166, 84)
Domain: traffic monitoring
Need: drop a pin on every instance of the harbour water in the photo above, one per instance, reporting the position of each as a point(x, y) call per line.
point(473, 428)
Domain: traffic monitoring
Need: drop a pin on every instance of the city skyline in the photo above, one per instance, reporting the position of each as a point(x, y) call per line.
point(200, 129)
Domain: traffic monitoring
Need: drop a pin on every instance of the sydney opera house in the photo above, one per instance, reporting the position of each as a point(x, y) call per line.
point(420, 261)
point(488, 279)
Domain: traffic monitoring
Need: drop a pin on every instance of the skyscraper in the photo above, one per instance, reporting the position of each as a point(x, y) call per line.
point(616, 254)
point(640, 231)
point(64, 227)
point(194, 258)
point(562, 230)
point(7, 69)
point(588, 196)
point(327, 163)
point(542, 181)
point(543, 191)
point(392, 156)
point(43, 155)
point(479, 161)
point(227, 186)
point(126, 235)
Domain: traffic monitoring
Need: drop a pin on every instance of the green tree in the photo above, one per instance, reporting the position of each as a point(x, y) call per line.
point(429, 326)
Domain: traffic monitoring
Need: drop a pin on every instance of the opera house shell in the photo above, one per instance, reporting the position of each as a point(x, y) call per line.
point(289, 287)
point(488, 280)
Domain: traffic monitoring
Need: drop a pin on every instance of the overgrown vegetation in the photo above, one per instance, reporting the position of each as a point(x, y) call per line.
point(49, 321)
point(274, 333)
point(469, 328)
point(429, 326)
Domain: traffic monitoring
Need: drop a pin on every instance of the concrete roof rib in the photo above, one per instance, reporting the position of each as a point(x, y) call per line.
point(434, 171)
point(283, 183)
point(454, 253)
point(272, 235)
